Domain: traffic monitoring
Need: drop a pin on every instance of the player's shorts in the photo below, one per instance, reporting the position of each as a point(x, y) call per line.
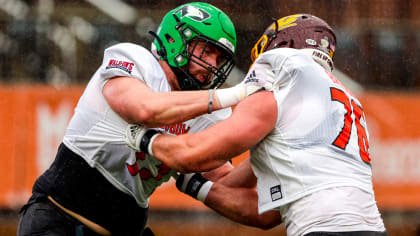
point(84, 190)
point(45, 218)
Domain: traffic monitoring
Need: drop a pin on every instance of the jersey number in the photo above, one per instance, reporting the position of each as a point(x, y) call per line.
point(343, 137)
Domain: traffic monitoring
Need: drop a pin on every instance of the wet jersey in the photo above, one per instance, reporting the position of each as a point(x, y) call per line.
point(97, 133)
point(320, 139)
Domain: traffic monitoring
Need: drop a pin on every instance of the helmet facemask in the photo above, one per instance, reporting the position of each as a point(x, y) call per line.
point(216, 76)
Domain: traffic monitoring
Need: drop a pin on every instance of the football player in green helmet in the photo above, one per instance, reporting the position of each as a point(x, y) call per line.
point(182, 30)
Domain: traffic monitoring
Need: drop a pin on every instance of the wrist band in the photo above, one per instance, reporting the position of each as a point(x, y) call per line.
point(145, 140)
point(204, 191)
point(149, 146)
point(210, 107)
point(228, 97)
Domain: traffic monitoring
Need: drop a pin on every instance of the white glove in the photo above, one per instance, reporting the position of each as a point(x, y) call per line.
point(139, 138)
point(259, 77)
point(133, 135)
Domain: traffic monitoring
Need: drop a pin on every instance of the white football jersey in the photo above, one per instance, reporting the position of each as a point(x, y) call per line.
point(97, 133)
point(320, 139)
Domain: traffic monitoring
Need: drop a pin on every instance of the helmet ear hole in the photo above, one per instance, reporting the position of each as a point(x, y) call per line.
point(280, 45)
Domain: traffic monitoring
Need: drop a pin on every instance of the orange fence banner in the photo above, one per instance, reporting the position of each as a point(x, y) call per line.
point(33, 122)
point(393, 119)
point(34, 119)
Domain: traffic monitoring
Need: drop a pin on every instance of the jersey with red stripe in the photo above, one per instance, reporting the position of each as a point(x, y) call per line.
point(97, 133)
point(320, 139)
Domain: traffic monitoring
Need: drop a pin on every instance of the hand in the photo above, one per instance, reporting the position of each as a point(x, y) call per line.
point(195, 185)
point(139, 138)
point(133, 136)
point(259, 77)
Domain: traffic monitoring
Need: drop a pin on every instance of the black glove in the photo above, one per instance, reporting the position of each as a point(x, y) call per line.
point(195, 185)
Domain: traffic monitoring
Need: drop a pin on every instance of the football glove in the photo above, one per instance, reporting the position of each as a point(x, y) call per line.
point(195, 185)
point(139, 138)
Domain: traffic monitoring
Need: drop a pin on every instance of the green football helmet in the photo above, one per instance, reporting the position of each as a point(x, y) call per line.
point(194, 22)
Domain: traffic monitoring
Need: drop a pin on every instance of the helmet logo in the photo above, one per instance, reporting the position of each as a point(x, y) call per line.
point(286, 22)
point(193, 13)
point(324, 45)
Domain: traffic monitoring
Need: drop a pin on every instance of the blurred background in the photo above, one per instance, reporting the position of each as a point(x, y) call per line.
point(50, 48)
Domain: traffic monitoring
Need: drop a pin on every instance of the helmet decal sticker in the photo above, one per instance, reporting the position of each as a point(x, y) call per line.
point(324, 43)
point(193, 13)
point(311, 42)
point(227, 44)
point(285, 22)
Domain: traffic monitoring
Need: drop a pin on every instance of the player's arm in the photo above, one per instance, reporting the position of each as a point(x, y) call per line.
point(250, 122)
point(240, 176)
point(218, 173)
point(233, 196)
point(136, 103)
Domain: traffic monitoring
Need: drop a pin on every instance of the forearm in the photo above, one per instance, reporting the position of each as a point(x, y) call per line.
point(218, 173)
point(250, 122)
point(260, 77)
point(174, 107)
point(136, 103)
point(240, 176)
point(240, 205)
point(232, 196)
point(185, 154)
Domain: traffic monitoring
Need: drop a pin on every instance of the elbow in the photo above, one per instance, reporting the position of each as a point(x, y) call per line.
point(268, 220)
point(145, 115)
point(266, 225)
point(257, 221)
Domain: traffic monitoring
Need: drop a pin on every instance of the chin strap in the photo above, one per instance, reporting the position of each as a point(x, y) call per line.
point(320, 57)
point(161, 52)
point(185, 81)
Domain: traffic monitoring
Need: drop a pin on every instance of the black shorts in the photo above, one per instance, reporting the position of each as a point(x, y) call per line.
point(84, 190)
point(44, 218)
